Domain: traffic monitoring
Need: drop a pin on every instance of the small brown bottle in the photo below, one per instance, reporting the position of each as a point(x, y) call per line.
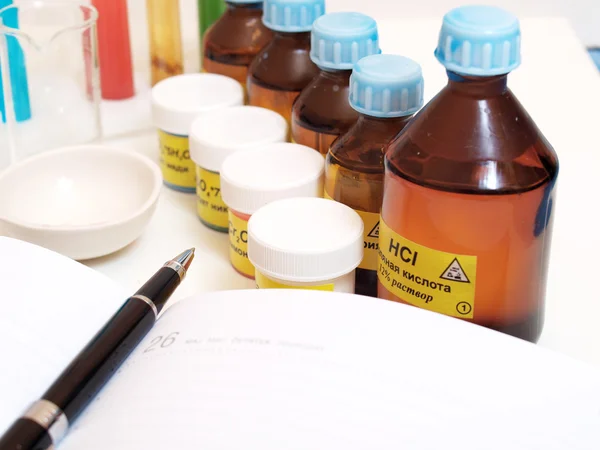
point(233, 41)
point(322, 111)
point(385, 90)
point(466, 220)
point(283, 67)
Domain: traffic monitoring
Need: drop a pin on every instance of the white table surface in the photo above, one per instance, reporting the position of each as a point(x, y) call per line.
point(560, 88)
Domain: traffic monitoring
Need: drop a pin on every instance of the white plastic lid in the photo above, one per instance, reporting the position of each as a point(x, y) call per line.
point(305, 239)
point(215, 136)
point(250, 180)
point(178, 100)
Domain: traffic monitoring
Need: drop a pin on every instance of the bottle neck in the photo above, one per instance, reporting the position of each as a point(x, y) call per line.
point(243, 8)
point(383, 124)
point(291, 38)
point(341, 76)
point(480, 86)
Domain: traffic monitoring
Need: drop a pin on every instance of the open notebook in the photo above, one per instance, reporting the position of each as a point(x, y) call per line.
point(269, 369)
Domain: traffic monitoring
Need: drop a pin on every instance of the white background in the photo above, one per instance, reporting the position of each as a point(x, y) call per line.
point(584, 15)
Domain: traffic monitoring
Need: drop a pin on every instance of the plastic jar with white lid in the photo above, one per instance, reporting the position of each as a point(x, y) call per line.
point(214, 137)
point(305, 243)
point(251, 180)
point(176, 102)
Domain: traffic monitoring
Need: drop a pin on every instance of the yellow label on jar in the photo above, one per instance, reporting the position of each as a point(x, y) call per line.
point(211, 208)
point(175, 163)
point(263, 282)
point(238, 245)
point(425, 277)
point(371, 237)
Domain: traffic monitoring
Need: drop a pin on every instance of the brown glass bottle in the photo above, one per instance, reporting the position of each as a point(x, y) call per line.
point(354, 177)
point(233, 41)
point(466, 221)
point(322, 112)
point(280, 71)
point(473, 175)
point(317, 120)
point(385, 90)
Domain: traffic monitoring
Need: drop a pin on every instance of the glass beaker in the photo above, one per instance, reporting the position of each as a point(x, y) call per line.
point(50, 77)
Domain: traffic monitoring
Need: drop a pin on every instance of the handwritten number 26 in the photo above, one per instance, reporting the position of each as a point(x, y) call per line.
point(158, 341)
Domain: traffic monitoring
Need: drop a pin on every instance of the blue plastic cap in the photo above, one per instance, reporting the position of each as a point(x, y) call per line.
point(340, 39)
point(386, 86)
point(292, 16)
point(480, 41)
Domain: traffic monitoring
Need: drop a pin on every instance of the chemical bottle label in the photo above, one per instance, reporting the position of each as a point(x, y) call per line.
point(431, 279)
point(238, 245)
point(263, 282)
point(211, 208)
point(175, 163)
point(371, 237)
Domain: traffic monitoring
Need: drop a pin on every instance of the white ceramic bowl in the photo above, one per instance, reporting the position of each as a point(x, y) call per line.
point(84, 202)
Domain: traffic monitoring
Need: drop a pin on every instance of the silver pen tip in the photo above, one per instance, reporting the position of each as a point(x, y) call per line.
point(185, 258)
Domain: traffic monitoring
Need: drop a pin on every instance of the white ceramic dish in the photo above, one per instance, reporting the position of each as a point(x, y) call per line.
point(84, 202)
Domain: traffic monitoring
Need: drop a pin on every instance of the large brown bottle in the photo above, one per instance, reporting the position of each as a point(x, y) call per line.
point(233, 41)
point(322, 111)
point(283, 68)
point(469, 189)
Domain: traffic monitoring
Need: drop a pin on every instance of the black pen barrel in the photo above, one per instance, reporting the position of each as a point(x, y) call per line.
point(25, 434)
point(46, 421)
point(161, 286)
point(96, 363)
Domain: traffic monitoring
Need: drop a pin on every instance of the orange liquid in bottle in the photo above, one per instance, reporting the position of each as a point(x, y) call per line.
point(479, 186)
point(354, 177)
point(280, 71)
point(317, 120)
point(233, 41)
point(386, 90)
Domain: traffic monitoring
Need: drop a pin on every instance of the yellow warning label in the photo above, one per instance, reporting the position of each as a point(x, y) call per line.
point(211, 208)
point(263, 282)
point(371, 237)
point(175, 163)
point(238, 245)
point(424, 277)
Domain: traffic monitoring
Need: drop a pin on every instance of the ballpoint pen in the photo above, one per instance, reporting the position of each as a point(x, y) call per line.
point(44, 424)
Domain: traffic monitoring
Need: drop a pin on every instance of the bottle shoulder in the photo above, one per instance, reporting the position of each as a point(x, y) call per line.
point(236, 35)
point(323, 104)
point(283, 66)
point(473, 143)
point(363, 147)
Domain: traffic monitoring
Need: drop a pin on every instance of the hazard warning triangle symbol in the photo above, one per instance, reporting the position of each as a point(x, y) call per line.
point(454, 272)
point(374, 233)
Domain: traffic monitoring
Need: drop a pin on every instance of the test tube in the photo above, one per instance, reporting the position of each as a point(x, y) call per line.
point(114, 50)
point(14, 81)
point(165, 39)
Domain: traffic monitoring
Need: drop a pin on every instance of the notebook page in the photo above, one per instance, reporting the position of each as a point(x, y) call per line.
point(268, 369)
point(51, 306)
